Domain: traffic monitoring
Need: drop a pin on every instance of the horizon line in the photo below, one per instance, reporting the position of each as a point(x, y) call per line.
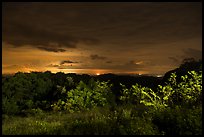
point(96, 74)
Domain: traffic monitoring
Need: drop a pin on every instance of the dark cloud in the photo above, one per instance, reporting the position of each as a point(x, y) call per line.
point(67, 62)
point(53, 65)
point(123, 66)
point(23, 34)
point(109, 62)
point(128, 66)
point(192, 53)
point(188, 53)
point(50, 49)
point(97, 57)
point(67, 24)
point(27, 24)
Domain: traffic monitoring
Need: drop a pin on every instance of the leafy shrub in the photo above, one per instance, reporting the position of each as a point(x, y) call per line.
point(142, 95)
point(187, 92)
point(84, 96)
point(9, 106)
point(23, 91)
point(16, 93)
point(131, 95)
point(190, 88)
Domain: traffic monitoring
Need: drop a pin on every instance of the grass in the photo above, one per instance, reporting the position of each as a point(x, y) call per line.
point(99, 121)
point(32, 125)
point(124, 120)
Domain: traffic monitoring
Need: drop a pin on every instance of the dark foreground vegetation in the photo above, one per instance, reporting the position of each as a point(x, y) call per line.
point(69, 104)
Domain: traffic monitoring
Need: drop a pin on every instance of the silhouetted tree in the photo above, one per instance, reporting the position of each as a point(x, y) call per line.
point(188, 64)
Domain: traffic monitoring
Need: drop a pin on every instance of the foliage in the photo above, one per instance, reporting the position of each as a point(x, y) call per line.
point(191, 88)
point(142, 95)
point(131, 95)
point(9, 106)
point(84, 96)
point(187, 91)
point(16, 93)
point(179, 121)
point(25, 91)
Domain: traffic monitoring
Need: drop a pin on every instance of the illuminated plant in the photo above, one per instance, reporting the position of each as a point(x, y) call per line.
point(187, 92)
point(84, 96)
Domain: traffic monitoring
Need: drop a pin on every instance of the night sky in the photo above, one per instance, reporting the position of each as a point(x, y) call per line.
point(96, 38)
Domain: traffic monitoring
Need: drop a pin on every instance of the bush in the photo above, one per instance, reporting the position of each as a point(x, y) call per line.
point(84, 97)
point(142, 95)
point(22, 91)
point(187, 92)
point(9, 106)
